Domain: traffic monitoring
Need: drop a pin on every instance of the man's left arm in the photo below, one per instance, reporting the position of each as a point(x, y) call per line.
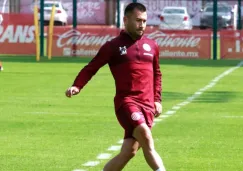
point(157, 83)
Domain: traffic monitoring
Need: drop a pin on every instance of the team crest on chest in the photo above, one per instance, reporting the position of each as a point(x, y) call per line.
point(123, 50)
point(147, 49)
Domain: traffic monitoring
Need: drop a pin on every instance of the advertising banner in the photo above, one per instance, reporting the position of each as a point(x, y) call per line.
point(173, 44)
point(17, 34)
point(83, 42)
point(182, 44)
point(231, 44)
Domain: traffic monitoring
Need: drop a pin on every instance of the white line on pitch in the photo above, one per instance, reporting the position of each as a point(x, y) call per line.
point(176, 107)
point(104, 156)
point(199, 92)
point(114, 148)
point(183, 103)
point(164, 116)
point(120, 141)
point(157, 120)
point(91, 163)
point(170, 112)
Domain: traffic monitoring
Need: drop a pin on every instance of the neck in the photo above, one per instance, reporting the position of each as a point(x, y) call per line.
point(131, 35)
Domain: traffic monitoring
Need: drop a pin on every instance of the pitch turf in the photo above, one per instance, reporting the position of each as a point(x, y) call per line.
point(42, 130)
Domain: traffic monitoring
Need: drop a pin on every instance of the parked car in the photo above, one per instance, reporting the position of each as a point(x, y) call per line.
point(60, 17)
point(225, 16)
point(176, 18)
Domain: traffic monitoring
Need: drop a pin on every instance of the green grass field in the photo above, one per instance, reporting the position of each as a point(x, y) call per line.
point(42, 130)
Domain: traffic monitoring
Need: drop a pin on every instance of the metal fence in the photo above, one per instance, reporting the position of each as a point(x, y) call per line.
point(215, 32)
point(106, 12)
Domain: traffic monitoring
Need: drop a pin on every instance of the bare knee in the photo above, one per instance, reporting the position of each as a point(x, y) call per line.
point(144, 136)
point(128, 153)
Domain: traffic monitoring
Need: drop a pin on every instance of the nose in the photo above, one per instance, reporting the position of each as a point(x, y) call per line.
point(141, 25)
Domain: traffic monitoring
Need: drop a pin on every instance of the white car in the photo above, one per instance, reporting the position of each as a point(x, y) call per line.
point(60, 17)
point(175, 18)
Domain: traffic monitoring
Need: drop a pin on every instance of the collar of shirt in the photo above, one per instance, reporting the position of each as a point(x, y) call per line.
point(125, 34)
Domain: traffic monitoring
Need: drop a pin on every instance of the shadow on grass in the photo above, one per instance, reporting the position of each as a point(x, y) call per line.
point(171, 96)
point(216, 97)
point(186, 62)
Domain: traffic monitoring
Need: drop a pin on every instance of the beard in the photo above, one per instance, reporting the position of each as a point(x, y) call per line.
point(137, 33)
point(140, 32)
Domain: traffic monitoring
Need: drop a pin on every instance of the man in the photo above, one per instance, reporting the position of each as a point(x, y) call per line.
point(134, 63)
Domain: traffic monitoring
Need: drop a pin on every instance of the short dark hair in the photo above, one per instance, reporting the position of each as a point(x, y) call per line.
point(135, 5)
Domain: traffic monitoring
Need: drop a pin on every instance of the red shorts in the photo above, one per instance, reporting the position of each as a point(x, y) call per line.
point(131, 115)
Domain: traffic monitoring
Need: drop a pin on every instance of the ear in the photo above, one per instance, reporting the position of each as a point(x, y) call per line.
point(125, 19)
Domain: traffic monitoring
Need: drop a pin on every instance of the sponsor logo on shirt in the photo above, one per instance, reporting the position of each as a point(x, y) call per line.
point(148, 54)
point(136, 116)
point(123, 50)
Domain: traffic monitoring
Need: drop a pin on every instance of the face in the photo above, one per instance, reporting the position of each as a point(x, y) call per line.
point(135, 23)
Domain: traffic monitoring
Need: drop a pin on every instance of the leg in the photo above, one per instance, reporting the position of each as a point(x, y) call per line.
point(143, 135)
point(129, 148)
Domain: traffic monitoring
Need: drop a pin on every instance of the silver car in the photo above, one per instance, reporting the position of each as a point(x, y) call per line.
point(225, 16)
point(175, 18)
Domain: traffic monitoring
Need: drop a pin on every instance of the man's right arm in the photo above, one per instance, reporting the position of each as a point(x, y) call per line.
point(89, 70)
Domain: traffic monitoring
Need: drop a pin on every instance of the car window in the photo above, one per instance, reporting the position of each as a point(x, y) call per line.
point(220, 9)
point(50, 5)
point(174, 11)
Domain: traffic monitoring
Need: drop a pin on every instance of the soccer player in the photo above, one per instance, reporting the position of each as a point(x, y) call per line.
point(134, 63)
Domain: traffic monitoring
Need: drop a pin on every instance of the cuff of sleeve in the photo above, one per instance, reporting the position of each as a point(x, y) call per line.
point(76, 86)
point(158, 100)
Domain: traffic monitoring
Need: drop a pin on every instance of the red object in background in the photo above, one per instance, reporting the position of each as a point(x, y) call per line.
point(231, 44)
point(161, 18)
point(17, 34)
point(12, 18)
point(81, 42)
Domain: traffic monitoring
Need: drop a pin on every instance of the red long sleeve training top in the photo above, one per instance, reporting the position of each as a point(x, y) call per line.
point(134, 65)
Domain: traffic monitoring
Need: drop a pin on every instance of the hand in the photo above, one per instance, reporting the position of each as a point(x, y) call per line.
point(72, 91)
point(158, 108)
